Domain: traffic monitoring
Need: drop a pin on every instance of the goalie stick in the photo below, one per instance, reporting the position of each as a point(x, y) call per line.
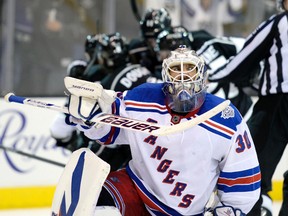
point(127, 123)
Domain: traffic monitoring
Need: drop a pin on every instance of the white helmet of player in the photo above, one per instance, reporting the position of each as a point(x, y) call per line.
point(184, 75)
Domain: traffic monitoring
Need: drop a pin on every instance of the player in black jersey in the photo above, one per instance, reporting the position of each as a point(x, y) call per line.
point(141, 50)
point(108, 63)
point(121, 74)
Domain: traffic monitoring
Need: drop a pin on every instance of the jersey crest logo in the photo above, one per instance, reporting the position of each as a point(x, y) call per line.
point(228, 112)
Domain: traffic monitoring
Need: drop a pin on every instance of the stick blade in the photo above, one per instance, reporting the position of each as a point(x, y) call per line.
point(80, 184)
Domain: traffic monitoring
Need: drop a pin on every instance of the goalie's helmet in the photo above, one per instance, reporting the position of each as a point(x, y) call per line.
point(76, 69)
point(90, 45)
point(112, 50)
point(184, 75)
point(155, 21)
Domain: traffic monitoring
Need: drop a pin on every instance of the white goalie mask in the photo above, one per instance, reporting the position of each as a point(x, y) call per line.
point(184, 75)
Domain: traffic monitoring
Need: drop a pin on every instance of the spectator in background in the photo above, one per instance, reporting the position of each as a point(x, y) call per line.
point(209, 15)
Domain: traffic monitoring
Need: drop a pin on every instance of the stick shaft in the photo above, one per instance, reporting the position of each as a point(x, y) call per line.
point(32, 156)
point(121, 122)
point(32, 102)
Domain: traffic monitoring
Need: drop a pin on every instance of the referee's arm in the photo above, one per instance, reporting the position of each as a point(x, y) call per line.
point(255, 49)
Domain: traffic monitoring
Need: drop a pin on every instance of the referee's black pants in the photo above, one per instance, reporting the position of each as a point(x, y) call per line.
point(269, 129)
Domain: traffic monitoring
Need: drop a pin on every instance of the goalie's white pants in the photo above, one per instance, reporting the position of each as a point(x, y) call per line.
point(106, 211)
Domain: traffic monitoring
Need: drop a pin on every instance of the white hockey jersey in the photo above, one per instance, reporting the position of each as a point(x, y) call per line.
point(176, 174)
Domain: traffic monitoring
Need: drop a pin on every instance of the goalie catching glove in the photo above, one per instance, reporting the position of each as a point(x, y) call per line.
point(87, 99)
point(216, 208)
point(83, 108)
point(227, 210)
point(224, 211)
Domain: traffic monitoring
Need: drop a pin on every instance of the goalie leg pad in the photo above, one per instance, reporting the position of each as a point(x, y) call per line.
point(80, 184)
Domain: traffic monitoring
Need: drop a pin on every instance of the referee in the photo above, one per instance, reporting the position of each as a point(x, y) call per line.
point(269, 120)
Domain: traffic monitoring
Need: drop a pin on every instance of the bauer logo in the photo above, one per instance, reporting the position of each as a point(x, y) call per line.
point(83, 88)
point(129, 123)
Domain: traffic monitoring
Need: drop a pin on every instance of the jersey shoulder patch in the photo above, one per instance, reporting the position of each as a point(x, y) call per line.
point(225, 122)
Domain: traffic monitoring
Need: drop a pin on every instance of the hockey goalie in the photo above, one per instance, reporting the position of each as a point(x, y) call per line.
point(173, 174)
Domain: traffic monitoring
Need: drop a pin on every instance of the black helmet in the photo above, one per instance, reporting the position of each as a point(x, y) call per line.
point(76, 69)
point(112, 50)
point(90, 45)
point(172, 40)
point(155, 21)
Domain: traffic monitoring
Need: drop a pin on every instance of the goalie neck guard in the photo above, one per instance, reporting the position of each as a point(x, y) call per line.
point(184, 75)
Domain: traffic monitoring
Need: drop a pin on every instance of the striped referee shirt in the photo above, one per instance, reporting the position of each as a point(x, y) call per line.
point(268, 43)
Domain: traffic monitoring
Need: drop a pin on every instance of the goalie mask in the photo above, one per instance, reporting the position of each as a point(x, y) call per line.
point(184, 75)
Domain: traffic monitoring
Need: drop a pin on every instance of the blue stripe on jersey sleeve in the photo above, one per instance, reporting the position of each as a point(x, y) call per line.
point(245, 173)
point(237, 180)
point(239, 188)
point(215, 131)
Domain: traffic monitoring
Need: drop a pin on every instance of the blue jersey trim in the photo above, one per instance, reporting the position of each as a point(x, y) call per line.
point(245, 173)
point(215, 131)
point(239, 188)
